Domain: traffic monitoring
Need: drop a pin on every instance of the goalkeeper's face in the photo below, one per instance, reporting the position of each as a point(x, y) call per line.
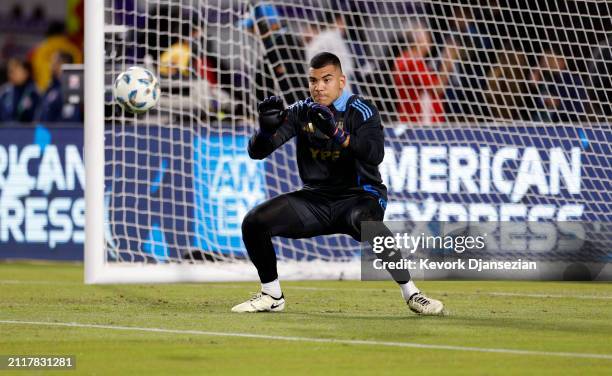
point(326, 84)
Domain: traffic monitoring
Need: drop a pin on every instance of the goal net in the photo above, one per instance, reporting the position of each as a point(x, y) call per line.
point(492, 109)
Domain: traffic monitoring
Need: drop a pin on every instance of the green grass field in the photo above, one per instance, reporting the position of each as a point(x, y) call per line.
point(188, 329)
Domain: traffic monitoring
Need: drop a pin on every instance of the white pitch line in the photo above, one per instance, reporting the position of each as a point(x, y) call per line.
point(316, 340)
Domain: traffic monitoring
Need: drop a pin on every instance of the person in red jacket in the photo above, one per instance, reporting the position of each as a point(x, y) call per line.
point(419, 89)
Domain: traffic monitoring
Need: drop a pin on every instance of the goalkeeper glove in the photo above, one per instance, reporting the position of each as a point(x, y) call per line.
point(323, 119)
point(271, 115)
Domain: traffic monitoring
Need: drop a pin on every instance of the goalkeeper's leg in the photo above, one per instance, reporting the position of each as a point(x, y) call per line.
point(277, 217)
point(368, 208)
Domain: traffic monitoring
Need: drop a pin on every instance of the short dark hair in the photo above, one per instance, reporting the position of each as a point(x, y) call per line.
point(324, 59)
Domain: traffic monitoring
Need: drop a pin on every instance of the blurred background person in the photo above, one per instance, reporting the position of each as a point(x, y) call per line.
point(189, 67)
point(419, 88)
point(56, 40)
point(332, 38)
point(507, 91)
point(52, 107)
point(464, 94)
point(379, 85)
point(18, 97)
point(284, 62)
point(340, 30)
point(600, 78)
point(560, 93)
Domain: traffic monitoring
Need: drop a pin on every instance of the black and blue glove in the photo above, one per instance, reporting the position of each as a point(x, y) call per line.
point(323, 119)
point(272, 114)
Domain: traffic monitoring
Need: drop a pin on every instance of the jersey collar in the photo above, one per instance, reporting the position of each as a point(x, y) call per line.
point(340, 103)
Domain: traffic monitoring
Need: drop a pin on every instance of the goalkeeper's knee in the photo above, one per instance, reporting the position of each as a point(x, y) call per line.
point(362, 214)
point(253, 222)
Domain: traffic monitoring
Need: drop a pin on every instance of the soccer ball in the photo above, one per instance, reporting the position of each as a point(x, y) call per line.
point(136, 90)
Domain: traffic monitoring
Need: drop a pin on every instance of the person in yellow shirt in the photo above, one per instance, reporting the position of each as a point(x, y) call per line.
point(56, 41)
point(176, 60)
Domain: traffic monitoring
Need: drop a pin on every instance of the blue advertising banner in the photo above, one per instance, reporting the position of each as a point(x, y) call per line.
point(42, 210)
point(228, 184)
point(172, 191)
point(149, 192)
point(499, 173)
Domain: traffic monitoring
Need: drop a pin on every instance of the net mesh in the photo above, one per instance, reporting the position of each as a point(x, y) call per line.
point(491, 108)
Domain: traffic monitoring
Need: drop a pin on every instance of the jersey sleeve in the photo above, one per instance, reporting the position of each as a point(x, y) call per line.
point(261, 145)
point(367, 140)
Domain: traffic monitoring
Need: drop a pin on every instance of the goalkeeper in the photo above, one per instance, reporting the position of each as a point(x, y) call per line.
point(340, 143)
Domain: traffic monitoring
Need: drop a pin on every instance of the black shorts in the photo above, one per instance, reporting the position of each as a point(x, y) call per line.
point(325, 212)
point(312, 212)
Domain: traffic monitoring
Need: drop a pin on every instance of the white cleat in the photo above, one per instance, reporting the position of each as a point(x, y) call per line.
point(261, 302)
point(422, 305)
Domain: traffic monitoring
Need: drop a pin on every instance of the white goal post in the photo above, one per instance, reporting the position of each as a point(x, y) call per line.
point(476, 98)
point(94, 141)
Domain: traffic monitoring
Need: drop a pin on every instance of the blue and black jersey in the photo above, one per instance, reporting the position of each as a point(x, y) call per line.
point(342, 186)
point(325, 165)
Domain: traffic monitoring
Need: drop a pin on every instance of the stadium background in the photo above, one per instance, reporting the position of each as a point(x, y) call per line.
point(338, 327)
point(43, 174)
